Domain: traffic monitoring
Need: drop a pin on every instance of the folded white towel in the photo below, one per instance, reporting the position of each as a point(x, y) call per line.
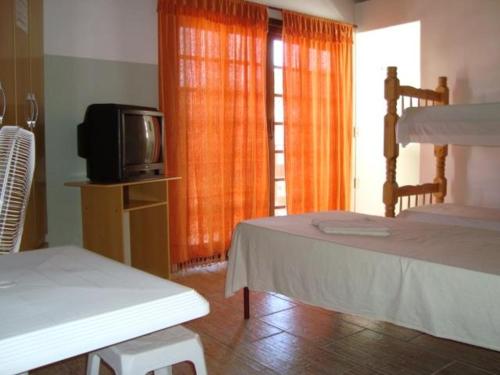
point(351, 227)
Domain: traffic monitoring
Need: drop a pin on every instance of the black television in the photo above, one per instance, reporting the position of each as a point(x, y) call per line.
point(122, 143)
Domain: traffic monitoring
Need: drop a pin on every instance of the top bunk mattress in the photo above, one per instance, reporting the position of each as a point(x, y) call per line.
point(454, 214)
point(468, 124)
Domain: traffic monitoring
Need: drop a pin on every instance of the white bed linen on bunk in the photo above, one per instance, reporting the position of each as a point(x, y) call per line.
point(468, 124)
point(443, 280)
point(454, 214)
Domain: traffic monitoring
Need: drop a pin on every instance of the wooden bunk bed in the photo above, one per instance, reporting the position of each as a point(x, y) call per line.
point(427, 118)
point(401, 196)
point(440, 279)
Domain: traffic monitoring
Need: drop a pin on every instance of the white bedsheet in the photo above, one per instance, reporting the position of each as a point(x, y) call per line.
point(443, 280)
point(469, 124)
point(454, 214)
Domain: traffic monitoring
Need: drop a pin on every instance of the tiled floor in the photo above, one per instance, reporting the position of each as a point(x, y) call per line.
point(287, 337)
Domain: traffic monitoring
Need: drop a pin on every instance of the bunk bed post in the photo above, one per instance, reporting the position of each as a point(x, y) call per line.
point(441, 151)
point(246, 303)
point(391, 148)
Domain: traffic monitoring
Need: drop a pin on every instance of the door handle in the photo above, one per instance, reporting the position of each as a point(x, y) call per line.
point(35, 117)
point(33, 114)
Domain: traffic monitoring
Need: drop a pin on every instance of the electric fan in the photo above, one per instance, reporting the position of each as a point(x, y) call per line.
point(17, 163)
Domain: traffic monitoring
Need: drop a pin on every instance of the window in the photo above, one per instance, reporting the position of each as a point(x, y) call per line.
point(276, 120)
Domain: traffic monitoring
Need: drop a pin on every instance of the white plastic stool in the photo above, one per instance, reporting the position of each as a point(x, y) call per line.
point(155, 352)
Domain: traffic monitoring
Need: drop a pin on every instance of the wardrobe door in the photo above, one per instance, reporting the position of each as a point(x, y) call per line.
point(37, 84)
point(21, 77)
point(24, 107)
point(7, 62)
point(36, 225)
point(31, 107)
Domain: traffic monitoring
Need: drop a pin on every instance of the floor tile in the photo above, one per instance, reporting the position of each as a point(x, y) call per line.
point(387, 354)
point(458, 368)
point(288, 354)
point(222, 359)
point(482, 358)
point(311, 324)
point(385, 328)
point(230, 328)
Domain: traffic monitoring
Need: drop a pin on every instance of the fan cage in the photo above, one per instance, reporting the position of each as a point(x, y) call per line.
point(17, 162)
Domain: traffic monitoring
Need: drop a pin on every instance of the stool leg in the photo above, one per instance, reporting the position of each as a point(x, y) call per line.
point(164, 371)
point(198, 358)
point(93, 363)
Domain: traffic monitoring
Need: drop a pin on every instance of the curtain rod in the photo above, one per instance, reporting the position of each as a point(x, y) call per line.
point(341, 22)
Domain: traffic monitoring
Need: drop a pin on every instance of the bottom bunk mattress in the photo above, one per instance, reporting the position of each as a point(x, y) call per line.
point(440, 279)
point(454, 214)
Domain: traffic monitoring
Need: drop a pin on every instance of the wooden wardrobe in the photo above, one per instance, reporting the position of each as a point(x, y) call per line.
point(21, 77)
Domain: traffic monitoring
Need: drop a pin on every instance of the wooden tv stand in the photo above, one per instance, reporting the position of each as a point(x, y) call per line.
point(128, 222)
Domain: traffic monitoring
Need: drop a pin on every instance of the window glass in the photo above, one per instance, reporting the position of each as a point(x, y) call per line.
point(278, 81)
point(280, 212)
point(278, 109)
point(279, 137)
point(278, 53)
point(279, 165)
point(279, 193)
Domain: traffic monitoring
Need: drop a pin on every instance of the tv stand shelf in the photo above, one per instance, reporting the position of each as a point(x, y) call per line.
point(128, 222)
point(138, 205)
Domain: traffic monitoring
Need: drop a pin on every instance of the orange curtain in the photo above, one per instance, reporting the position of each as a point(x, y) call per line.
point(317, 71)
point(212, 56)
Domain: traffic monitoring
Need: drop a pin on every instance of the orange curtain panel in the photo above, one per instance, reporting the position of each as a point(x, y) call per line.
point(317, 71)
point(212, 91)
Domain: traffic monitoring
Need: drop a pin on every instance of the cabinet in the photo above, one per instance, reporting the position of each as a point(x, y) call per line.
point(128, 222)
point(21, 78)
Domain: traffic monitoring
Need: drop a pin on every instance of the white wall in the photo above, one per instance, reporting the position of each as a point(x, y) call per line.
point(339, 10)
point(126, 30)
point(119, 30)
point(460, 40)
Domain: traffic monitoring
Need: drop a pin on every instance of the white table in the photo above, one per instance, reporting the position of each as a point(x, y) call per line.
point(60, 302)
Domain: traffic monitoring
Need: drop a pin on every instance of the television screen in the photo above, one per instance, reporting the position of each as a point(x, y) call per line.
point(122, 142)
point(142, 139)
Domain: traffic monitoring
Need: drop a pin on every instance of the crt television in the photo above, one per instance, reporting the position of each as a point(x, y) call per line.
point(122, 143)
